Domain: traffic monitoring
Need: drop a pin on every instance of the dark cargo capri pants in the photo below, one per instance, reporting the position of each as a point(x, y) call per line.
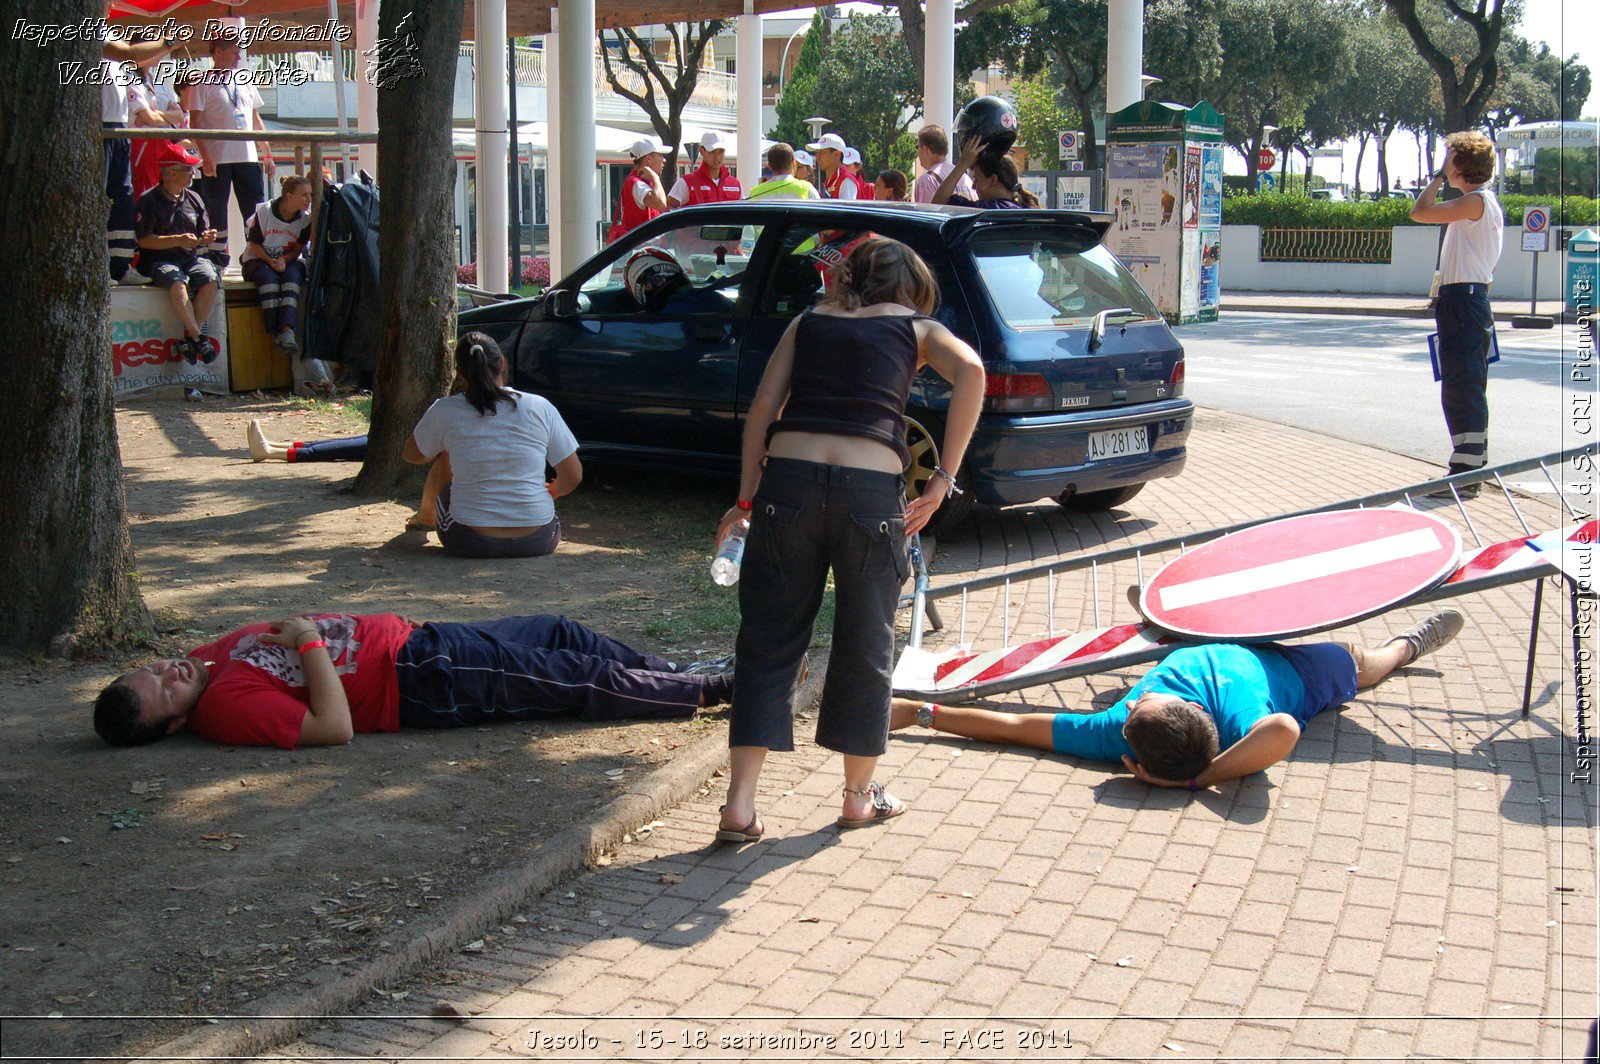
point(807, 519)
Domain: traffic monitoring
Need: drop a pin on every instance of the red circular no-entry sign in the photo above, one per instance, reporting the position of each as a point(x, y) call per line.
point(1301, 574)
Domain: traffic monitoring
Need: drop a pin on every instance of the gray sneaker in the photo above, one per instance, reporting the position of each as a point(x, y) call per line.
point(708, 667)
point(1433, 633)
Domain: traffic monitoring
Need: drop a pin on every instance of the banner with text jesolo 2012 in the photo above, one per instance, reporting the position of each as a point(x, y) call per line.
point(144, 345)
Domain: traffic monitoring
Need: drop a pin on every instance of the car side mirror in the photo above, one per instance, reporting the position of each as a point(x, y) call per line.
point(563, 303)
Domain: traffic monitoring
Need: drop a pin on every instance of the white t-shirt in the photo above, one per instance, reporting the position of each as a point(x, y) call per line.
point(1472, 248)
point(160, 97)
point(498, 463)
point(227, 105)
point(114, 92)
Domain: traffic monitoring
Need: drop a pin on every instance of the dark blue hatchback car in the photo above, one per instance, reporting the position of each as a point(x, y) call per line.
point(1084, 400)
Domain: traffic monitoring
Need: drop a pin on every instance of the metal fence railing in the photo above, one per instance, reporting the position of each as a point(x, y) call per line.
point(1326, 245)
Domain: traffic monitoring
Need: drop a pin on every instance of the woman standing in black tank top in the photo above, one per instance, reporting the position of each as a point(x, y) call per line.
point(824, 490)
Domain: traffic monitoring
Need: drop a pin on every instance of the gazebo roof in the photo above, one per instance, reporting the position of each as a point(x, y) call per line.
point(523, 17)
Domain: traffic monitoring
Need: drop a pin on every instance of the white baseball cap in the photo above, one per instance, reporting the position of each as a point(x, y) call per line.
point(805, 158)
point(852, 156)
point(711, 140)
point(645, 146)
point(829, 140)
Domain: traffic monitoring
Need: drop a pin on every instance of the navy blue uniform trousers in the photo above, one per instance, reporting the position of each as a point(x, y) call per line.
point(533, 668)
point(1465, 322)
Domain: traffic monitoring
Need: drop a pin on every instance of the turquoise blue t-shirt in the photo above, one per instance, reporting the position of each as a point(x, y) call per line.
point(1237, 685)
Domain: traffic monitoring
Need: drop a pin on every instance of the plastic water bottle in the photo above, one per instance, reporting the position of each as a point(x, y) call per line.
point(730, 553)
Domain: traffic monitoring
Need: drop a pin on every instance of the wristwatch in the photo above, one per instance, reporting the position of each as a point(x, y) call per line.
point(925, 715)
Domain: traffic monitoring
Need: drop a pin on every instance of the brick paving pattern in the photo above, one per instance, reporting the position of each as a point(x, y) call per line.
point(1416, 880)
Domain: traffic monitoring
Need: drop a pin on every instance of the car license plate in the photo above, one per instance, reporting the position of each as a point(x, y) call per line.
point(1119, 443)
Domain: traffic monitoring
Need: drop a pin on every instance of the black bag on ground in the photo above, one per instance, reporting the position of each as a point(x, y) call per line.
point(341, 301)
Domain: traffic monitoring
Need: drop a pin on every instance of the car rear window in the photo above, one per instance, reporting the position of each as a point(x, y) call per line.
point(1051, 280)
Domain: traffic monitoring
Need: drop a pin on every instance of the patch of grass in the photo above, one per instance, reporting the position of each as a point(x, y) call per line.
point(671, 521)
point(355, 407)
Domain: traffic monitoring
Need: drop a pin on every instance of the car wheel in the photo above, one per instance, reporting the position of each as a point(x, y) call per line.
point(1098, 500)
point(924, 459)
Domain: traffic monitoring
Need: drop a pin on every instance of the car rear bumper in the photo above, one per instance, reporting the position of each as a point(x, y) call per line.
point(1021, 459)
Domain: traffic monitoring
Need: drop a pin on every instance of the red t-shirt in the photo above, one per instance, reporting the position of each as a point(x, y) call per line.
point(257, 693)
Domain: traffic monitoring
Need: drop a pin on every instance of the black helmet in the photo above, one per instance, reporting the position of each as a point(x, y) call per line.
point(991, 120)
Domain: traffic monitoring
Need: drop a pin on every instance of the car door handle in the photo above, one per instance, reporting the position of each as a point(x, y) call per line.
point(709, 332)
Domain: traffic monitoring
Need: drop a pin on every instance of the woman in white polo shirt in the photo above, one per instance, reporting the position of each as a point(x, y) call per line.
point(1474, 225)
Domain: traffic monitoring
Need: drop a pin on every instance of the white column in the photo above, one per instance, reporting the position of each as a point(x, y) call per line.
point(580, 213)
point(748, 64)
point(552, 141)
point(939, 64)
point(489, 78)
point(366, 91)
point(1124, 54)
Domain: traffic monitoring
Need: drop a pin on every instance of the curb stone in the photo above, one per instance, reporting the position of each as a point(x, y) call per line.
point(282, 1017)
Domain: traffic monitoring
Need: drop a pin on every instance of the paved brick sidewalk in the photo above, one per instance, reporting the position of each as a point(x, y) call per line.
point(1418, 880)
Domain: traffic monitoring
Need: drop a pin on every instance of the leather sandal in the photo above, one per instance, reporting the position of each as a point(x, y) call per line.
point(885, 806)
point(751, 832)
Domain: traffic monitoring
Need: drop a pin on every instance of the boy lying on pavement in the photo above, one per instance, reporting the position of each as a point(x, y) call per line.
point(1205, 714)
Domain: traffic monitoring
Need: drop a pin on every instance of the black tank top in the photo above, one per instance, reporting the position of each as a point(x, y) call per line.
point(852, 377)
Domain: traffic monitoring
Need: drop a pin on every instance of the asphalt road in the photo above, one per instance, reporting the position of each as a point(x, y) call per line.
point(1369, 380)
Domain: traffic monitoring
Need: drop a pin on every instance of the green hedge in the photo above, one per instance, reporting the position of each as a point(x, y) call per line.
point(1296, 212)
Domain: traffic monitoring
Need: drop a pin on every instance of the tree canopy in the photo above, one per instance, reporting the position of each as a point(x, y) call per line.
point(868, 87)
point(794, 101)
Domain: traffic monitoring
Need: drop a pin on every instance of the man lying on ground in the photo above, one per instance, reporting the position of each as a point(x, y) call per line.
point(319, 680)
point(1248, 702)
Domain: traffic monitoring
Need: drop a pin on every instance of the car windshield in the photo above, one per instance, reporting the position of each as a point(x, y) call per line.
point(1054, 280)
point(709, 255)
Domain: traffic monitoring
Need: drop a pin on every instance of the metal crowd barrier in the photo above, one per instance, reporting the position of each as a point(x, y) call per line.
point(1146, 643)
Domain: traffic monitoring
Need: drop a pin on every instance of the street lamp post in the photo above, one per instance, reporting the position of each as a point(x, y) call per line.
point(783, 64)
point(816, 125)
point(1145, 81)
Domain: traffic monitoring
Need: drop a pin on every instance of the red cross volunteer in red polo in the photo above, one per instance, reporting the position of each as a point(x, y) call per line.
point(838, 182)
point(711, 181)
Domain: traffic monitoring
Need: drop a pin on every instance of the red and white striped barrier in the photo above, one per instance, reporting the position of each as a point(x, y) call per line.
point(920, 672)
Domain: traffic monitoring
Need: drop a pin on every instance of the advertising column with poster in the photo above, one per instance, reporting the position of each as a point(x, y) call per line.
point(1164, 191)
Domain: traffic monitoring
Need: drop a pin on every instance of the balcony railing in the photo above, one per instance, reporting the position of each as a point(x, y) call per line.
point(714, 88)
point(1327, 245)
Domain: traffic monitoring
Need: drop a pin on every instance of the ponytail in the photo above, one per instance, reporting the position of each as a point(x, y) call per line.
point(481, 366)
point(1003, 170)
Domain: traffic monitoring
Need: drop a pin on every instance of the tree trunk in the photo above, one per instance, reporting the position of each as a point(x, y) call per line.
point(914, 28)
point(1361, 156)
point(414, 243)
point(66, 554)
point(1383, 154)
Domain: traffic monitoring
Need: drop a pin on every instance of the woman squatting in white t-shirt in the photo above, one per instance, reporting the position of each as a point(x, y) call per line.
point(486, 495)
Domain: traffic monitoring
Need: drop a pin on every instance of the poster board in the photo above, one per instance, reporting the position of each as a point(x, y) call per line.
point(144, 345)
point(1164, 191)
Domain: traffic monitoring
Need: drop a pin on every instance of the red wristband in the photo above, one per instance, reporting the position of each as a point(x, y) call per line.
point(311, 644)
point(743, 504)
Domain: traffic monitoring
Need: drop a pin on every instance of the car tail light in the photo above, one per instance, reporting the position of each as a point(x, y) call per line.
point(1177, 377)
point(1017, 391)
